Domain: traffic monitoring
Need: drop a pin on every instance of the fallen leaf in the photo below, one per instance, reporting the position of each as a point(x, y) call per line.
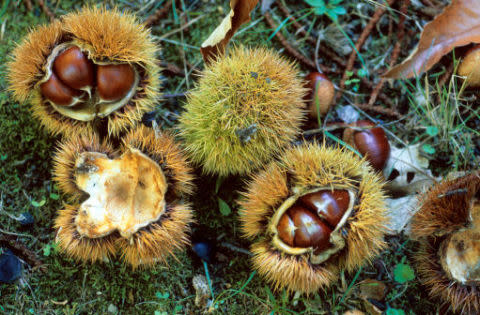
point(372, 289)
point(202, 292)
point(458, 25)
point(407, 171)
point(218, 40)
point(399, 212)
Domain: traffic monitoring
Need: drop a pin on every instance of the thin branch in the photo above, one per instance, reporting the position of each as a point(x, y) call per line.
point(361, 40)
point(395, 52)
point(157, 15)
point(22, 251)
point(46, 10)
point(292, 51)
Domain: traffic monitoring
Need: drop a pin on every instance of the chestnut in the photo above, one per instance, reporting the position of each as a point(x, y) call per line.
point(330, 205)
point(74, 69)
point(469, 66)
point(321, 94)
point(57, 92)
point(55, 68)
point(311, 220)
point(312, 213)
point(114, 81)
point(370, 140)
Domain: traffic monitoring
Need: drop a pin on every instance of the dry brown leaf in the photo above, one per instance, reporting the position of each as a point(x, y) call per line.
point(218, 40)
point(457, 25)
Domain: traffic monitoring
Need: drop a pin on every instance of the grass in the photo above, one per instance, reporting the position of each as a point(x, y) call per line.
point(68, 287)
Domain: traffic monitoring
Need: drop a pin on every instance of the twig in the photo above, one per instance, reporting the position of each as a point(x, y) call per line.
point(46, 10)
point(292, 51)
point(28, 4)
point(379, 110)
point(172, 69)
point(361, 40)
point(301, 30)
point(157, 15)
point(295, 23)
point(181, 28)
point(236, 248)
point(175, 95)
point(448, 73)
point(395, 52)
point(19, 249)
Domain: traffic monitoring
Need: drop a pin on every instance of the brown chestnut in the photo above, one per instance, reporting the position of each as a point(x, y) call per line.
point(312, 218)
point(114, 81)
point(311, 231)
point(74, 69)
point(469, 66)
point(57, 92)
point(371, 141)
point(286, 229)
point(329, 205)
point(321, 94)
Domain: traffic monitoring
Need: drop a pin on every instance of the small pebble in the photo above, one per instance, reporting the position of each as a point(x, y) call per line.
point(10, 267)
point(26, 219)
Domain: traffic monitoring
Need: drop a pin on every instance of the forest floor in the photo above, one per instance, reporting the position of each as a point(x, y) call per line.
point(64, 286)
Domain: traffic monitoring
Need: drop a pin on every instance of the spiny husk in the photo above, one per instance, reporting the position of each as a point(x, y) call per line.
point(107, 36)
point(65, 157)
point(78, 247)
point(247, 106)
point(151, 244)
point(160, 240)
point(310, 166)
point(162, 149)
point(295, 273)
point(26, 67)
point(463, 299)
point(445, 208)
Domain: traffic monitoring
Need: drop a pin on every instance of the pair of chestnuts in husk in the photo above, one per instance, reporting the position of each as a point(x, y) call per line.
point(87, 68)
point(73, 79)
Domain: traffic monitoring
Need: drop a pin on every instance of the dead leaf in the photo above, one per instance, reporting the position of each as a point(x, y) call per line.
point(218, 40)
point(458, 25)
point(372, 289)
point(400, 212)
point(202, 292)
point(407, 171)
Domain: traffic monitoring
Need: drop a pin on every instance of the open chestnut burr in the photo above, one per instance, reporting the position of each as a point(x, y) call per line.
point(313, 213)
point(83, 90)
point(89, 66)
point(447, 226)
point(129, 202)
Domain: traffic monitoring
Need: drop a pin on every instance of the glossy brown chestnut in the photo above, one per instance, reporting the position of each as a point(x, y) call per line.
point(114, 81)
point(74, 69)
point(286, 229)
point(321, 93)
point(57, 92)
point(311, 231)
point(329, 205)
point(311, 220)
point(371, 142)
